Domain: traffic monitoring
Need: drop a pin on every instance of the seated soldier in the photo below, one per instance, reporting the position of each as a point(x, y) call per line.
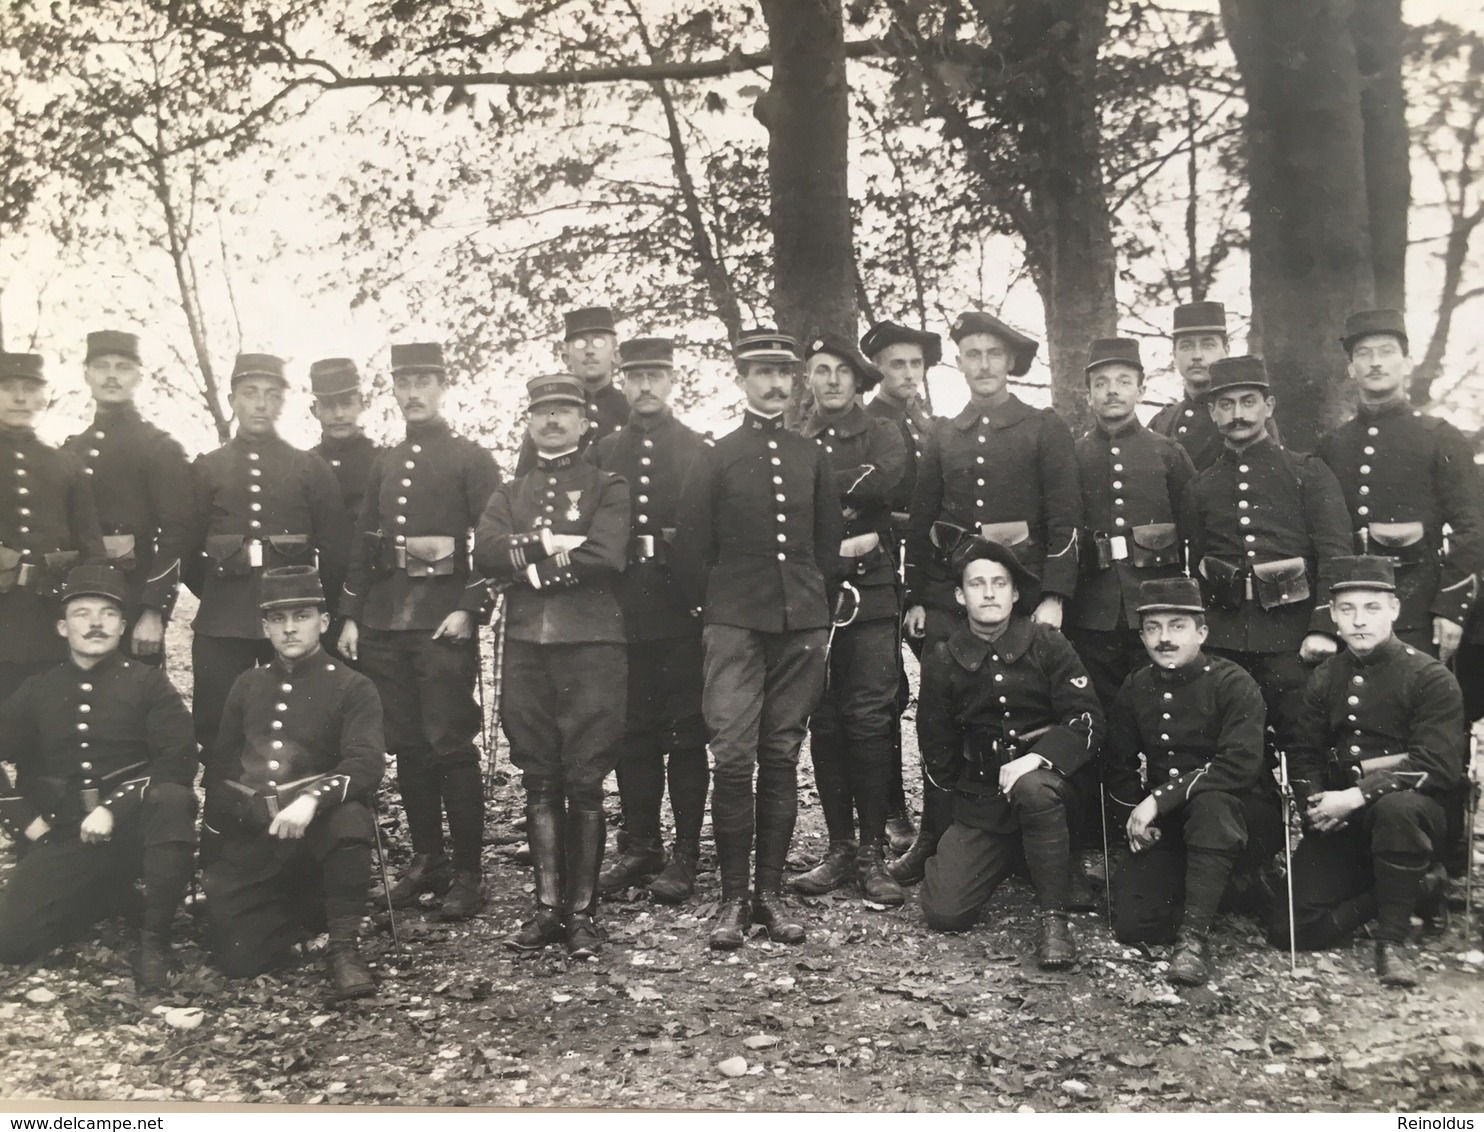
point(298, 757)
point(1006, 715)
point(1381, 744)
point(104, 754)
point(1198, 722)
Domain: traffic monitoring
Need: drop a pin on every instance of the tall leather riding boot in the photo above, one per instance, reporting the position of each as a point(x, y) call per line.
point(586, 833)
point(421, 802)
point(463, 801)
point(937, 816)
point(1048, 850)
point(777, 811)
point(167, 874)
point(732, 826)
point(546, 821)
point(1398, 885)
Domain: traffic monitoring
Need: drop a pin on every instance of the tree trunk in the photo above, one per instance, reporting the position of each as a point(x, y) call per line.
point(1310, 246)
point(1378, 30)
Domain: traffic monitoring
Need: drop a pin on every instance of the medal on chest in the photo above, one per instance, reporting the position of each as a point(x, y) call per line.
point(573, 512)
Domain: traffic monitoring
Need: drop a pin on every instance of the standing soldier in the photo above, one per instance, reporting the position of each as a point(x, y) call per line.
point(1001, 470)
point(590, 352)
point(559, 536)
point(1006, 717)
point(1196, 722)
point(903, 356)
point(850, 733)
point(663, 727)
point(260, 503)
point(288, 780)
point(49, 523)
point(105, 758)
point(142, 484)
point(1381, 746)
point(1132, 480)
point(338, 405)
point(411, 605)
point(758, 534)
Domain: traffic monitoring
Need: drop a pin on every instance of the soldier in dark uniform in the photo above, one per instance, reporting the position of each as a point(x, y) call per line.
point(850, 733)
point(1263, 525)
point(1381, 745)
point(338, 405)
point(1006, 717)
point(759, 532)
point(105, 757)
point(559, 536)
point(411, 605)
point(288, 781)
point(260, 503)
point(1197, 723)
point(663, 728)
point(903, 356)
point(589, 352)
point(1405, 475)
point(142, 484)
point(1132, 480)
point(48, 524)
point(1006, 472)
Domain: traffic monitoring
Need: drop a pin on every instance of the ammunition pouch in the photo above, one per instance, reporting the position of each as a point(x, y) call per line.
point(1403, 543)
point(1280, 583)
point(1014, 533)
point(432, 556)
point(1222, 584)
point(648, 549)
point(121, 551)
point(10, 569)
point(288, 550)
point(232, 556)
point(256, 809)
point(1154, 544)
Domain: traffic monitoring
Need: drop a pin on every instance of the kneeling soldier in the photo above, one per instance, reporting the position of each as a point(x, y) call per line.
point(1380, 745)
point(105, 755)
point(1198, 722)
point(1006, 715)
point(299, 754)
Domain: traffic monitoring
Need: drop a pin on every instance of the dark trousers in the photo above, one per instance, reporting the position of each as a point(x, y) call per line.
point(850, 733)
point(265, 894)
point(62, 887)
point(1281, 676)
point(1110, 656)
point(1371, 867)
point(216, 662)
point(937, 805)
point(971, 862)
point(562, 707)
point(432, 720)
point(664, 729)
point(1468, 664)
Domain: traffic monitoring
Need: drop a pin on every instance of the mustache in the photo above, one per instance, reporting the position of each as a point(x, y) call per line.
point(1238, 423)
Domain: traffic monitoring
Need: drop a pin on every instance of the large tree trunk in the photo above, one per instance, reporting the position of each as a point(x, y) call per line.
point(807, 112)
point(1379, 33)
point(1310, 246)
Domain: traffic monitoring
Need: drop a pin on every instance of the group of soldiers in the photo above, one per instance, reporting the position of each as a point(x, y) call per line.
point(1169, 630)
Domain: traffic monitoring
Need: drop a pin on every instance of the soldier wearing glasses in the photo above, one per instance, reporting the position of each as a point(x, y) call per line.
point(589, 352)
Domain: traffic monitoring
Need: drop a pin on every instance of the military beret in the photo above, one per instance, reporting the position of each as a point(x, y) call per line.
point(1238, 371)
point(258, 365)
point(1023, 346)
point(884, 334)
point(95, 581)
point(559, 387)
point(116, 343)
point(284, 586)
point(650, 352)
point(765, 344)
point(330, 377)
point(1361, 572)
point(588, 320)
point(1199, 318)
point(867, 376)
point(1170, 595)
point(417, 357)
point(976, 547)
point(1362, 323)
point(1102, 351)
point(25, 367)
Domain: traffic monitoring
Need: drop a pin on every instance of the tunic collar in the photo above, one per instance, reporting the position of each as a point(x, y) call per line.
point(106, 665)
point(758, 423)
point(556, 463)
point(291, 667)
point(852, 422)
point(1392, 408)
point(428, 430)
point(1385, 651)
point(1010, 413)
point(651, 425)
point(1186, 673)
point(1127, 428)
point(970, 650)
point(1264, 445)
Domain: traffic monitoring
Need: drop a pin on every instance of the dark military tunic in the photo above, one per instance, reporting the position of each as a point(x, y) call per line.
point(48, 524)
point(141, 481)
point(350, 459)
point(607, 411)
point(913, 441)
point(1404, 476)
point(984, 468)
point(1188, 422)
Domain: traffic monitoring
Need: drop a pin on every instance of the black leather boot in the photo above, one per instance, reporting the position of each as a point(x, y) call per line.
point(731, 821)
point(640, 861)
point(586, 833)
point(429, 872)
point(156, 962)
point(677, 883)
point(545, 829)
point(1056, 949)
point(937, 816)
point(465, 898)
point(167, 874)
point(1394, 966)
point(1191, 966)
point(1081, 896)
point(837, 868)
point(349, 975)
point(877, 884)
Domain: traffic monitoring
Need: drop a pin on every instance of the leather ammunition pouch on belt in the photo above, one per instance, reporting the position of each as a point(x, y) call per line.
point(236, 556)
point(864, 553)
point(72, 799)
point(1272, 584)
point(421, 556)
point(256, 809)
point(1403, 543)
point(648, 549)
point(1014, 533)
point(1345, 770)
point(44, 577)
point(121, 551)
point(1145, 546)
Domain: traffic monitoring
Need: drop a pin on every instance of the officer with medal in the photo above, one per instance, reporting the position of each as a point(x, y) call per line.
point(260, 504)
point(105, 757)
point(558, 536)
point(1196, 723)
point(48, 524)
point(290, 781)
point(412, 606)
point(589, 352)
point(1381, 746)
point(757, 546)
point(664, 732)
point(142, 484)
point(851, 732)
point(339, 406)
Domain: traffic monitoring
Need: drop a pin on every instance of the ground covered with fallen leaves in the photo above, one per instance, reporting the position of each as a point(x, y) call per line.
point(871, 1013)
